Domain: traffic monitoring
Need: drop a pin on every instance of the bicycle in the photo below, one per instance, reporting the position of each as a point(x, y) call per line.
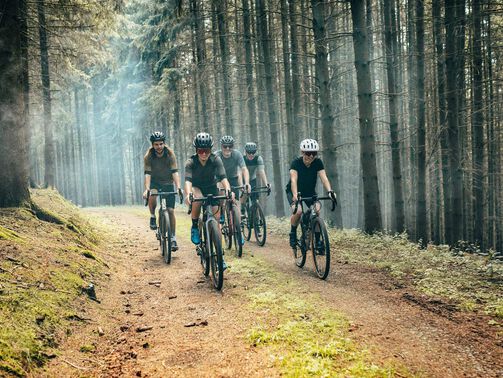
point(254, 216)
point(163, 232)
point(231, 229)
point(313, 225)
point(210, 247)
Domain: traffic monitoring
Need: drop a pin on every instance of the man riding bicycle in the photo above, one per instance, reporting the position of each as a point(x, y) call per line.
point(255, 165)
point(203, 171)
point(235, 167)
point(161, 172)
point(304, 172)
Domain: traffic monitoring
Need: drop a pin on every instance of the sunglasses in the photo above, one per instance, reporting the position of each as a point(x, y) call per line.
point(311, 153)
point(227, 147)
point(202, 151)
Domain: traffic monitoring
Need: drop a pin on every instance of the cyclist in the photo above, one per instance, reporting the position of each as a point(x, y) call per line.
point(235, 167)
point(255, 165)
point(304, 172)
point(161, 172)
point(203, 171)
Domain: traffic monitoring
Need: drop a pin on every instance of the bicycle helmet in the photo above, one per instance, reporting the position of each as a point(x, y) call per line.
point(157, 136)
point(251, 147)
point(203, 140)
point(227, 140)
point(309, 145)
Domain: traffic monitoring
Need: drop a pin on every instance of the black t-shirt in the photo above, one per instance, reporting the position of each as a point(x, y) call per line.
point(306, 176)
point(204, 176)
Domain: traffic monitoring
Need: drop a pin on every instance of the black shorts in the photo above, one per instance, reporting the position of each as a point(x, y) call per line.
point(289, 197)
point(253, 185)
point(205, 190)
point(234, 181)
point(170, 200)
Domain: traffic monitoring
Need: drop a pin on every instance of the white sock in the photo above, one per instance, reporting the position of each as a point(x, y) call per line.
point(152, 216)
point(173, 237)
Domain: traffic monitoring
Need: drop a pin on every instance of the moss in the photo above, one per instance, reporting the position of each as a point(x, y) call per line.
point(87, 348)
point(7, 234)
point(302, 333)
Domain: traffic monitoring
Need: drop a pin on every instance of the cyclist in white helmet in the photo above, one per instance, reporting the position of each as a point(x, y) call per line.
point(304, 172)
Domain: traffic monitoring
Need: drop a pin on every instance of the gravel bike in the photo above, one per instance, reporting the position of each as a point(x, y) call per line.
point(254, 216)
point(314, 235)
point(210, 247)
point(231, 229)
point(164, 232)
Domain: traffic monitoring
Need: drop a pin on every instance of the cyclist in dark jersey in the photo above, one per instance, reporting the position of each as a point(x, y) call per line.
point(161, 174)
point(255, 165)
point(235, 167)
point(304, 172)
point(203, 171)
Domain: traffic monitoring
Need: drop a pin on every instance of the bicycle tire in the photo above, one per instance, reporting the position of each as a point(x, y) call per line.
point(247, 224)
point(166, 237)
point(160, 230)
point(227, 229)
point(205, 255)
point(236, 221)
point(259, 226)
point(299, 253)
point(321, 252)
point(216, 257)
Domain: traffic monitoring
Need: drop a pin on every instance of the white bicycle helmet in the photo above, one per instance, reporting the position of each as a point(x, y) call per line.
point(309, 145)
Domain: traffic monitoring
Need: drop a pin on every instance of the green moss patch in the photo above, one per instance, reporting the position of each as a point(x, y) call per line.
point(45, 266)
point(304, 335)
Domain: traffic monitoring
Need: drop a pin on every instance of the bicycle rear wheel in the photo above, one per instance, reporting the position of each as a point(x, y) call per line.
point(246, 224)
point(166, 238)
point(214, 246)
point(320, 245)
point(259, 225)
point(236, 221)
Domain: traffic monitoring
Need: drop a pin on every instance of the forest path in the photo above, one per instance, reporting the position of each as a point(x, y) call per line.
point(397, 325)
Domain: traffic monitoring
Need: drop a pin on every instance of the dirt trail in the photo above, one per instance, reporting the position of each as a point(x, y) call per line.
point(428, 337)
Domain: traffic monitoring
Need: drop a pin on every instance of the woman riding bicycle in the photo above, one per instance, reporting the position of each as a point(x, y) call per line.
point(255, 165)
point(203, 171)
point(304, 172)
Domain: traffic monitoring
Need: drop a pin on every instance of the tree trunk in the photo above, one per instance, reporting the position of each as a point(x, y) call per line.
point(391, 56)
point(46, 94)
point(296, 78)
point(323, 83)
point(421, 233)
point(13, 146)
point(250, 101)
point(479, 165)
point(264, 40)
point(455, 173)
point(372, 206)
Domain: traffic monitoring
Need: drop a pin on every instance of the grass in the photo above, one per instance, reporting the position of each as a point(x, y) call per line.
point(472, 282)
point(46, 258)
point(304, 335)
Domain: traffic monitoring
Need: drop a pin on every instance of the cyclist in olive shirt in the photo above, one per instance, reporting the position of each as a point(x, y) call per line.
point(203, 171)
point(161, 172)
point(304, 172)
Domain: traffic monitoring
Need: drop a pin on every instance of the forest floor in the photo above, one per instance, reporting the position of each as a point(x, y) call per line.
point(271, 318)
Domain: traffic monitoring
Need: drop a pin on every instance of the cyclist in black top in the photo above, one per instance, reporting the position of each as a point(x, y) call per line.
point(304, 172)
point(203, 171)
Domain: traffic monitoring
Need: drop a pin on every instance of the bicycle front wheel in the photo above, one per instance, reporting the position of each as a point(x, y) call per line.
point(238, 238)
point(259, 226)
point(214, 245)
point(203, 251)
point(227, 228)
point(320, 245)
point(246, 224)
point(166, 238)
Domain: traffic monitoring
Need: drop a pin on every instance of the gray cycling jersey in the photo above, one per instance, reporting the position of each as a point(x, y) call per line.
point(254, 165)
point(232, 163)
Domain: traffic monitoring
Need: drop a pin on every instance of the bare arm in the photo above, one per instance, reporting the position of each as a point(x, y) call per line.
point(293, 179)
point(324, 180)
point(147, 185)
